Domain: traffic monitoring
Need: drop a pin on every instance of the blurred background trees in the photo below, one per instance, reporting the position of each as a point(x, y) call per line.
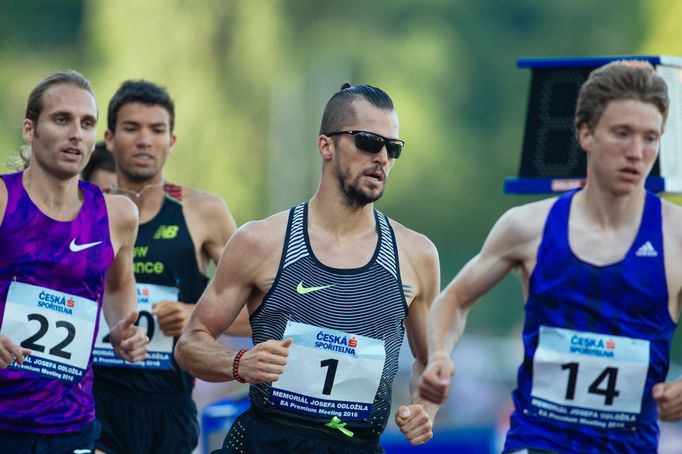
point(250, 79)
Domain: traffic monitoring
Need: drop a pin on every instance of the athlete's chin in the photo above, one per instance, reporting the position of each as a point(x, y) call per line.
point(359, 199)
point(142, 175)
point(371, 196)
point(621, 191)
point(373, 192)
point(375, 196)
point(67, 171)
point(625, 188)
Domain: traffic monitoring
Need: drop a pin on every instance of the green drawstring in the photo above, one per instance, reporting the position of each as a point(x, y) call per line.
point(336, 423)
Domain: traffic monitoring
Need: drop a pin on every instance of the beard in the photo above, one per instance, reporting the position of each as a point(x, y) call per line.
point(354, 194)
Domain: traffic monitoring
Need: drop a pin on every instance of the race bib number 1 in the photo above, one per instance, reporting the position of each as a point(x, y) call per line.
point(329, 373)
point(160, 348)
point(57, 327)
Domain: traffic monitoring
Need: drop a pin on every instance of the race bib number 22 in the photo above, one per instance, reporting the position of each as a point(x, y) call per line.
point(57, 327)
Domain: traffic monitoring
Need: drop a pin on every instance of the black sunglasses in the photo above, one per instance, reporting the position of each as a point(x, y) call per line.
point(373, 143)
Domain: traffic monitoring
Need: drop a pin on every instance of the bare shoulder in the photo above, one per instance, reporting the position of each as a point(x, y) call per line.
point(672, 219)
point(263, 237)
point(202, 203)
point(419, 265)
point(252, 254)
point(188, 191)
point(122, 211)
point(671, 212)
point(416, 246)
point(524, 223)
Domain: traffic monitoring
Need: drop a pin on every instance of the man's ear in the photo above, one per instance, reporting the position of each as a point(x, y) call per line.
point(109, 140)
point(585, 137)
point(174, 138)
point(28, 130)
point(325, 145)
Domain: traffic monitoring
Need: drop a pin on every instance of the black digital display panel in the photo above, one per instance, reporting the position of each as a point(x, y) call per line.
point(550, 149)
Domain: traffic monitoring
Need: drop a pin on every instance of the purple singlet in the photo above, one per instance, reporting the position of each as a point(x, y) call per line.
point(51, 285)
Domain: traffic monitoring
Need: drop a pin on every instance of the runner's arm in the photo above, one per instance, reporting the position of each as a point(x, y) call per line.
point(210, 214)
point(416, 420)
point(223, 227)
point(220, 224)
point(120, 298)
point(506, 247)
point(198, 350)
point(668, 395)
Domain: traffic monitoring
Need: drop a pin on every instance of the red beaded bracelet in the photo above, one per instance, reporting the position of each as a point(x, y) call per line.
point(235, 365)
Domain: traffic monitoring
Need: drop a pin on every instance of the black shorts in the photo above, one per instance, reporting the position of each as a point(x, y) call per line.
point(146, 424)
point(32, 443)
point(252, 433)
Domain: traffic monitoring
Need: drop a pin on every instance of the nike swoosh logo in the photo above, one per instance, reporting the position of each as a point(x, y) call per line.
point(81, 247)
point(301, 290)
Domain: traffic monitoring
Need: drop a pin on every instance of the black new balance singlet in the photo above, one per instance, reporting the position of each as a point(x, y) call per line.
point(368, 301)
point(164, 254)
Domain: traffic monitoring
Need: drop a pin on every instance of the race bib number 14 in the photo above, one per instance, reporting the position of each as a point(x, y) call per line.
point(329, 373)
point(57, 327)
point(593, 371)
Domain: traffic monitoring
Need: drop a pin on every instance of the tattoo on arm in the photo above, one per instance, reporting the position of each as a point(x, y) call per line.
point(268, 283)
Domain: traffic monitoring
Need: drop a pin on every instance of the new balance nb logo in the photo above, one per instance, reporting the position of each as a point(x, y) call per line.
point(166, 232)
point(646, 250)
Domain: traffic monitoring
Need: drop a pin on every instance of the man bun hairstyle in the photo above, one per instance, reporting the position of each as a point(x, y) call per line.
point(339, 111)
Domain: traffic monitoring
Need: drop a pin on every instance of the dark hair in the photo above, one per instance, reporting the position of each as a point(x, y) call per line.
point(100, 159)
point(339, 111)
point(143, 92)
point(619, 80)
point(35, 103)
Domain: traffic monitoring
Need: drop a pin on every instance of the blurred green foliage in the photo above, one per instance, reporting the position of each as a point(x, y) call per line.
point(250, 79)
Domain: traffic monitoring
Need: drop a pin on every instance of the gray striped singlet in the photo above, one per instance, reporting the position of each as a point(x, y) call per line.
point(368, 301)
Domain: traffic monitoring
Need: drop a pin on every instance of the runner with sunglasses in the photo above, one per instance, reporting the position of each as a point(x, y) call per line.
point(602, 278)
point(332, 285)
